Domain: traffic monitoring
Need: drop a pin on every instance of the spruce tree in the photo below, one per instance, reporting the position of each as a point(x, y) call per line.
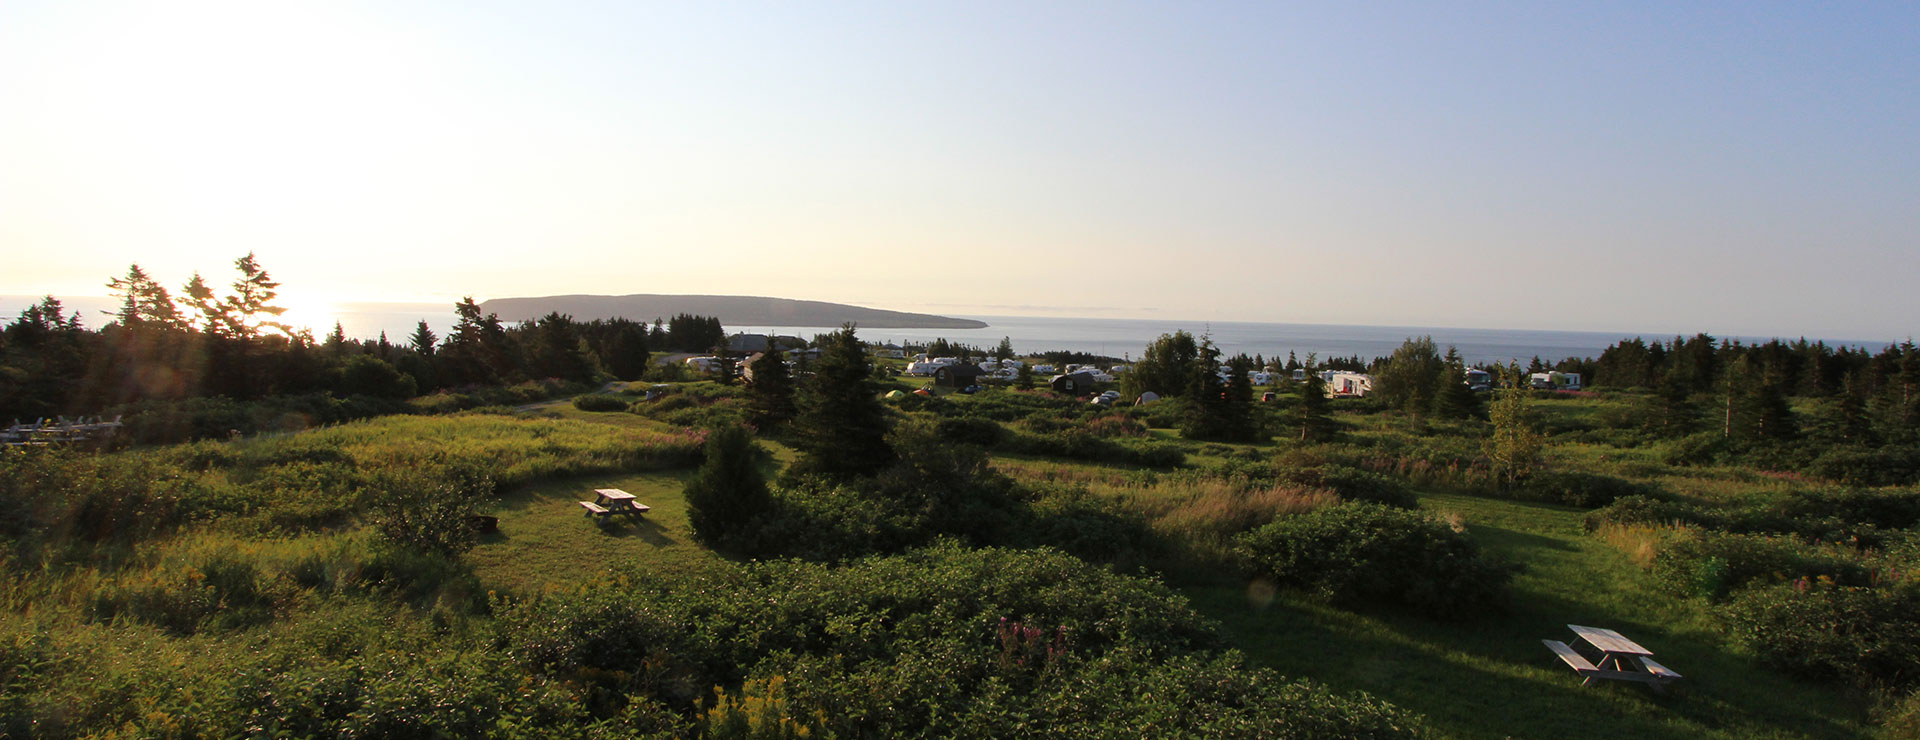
point(771, 391)
point(1310, 413)
point(423, 339)
point(728, 494)
point(840, 425)
point(1452, 398)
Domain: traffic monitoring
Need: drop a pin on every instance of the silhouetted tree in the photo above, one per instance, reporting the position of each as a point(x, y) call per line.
point(771, 391)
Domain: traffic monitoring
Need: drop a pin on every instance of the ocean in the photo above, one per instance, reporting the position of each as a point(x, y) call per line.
point(1124, 338)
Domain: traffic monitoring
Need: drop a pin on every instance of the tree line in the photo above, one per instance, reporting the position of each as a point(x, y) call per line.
point(160, 345)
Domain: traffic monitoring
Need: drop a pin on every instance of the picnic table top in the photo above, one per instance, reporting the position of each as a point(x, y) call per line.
point(1608, 641)
point(614, 494)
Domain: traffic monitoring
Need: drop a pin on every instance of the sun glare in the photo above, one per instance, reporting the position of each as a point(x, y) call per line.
point(304, 312)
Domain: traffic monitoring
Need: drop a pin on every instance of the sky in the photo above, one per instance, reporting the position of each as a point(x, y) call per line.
point(1735, 167)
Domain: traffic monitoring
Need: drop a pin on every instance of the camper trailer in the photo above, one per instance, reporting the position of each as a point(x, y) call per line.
point(1344, 384)
point(1479, 380)
point(1555, 381)
point(924, 365)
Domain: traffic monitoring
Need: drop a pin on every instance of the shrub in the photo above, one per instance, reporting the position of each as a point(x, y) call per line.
point(1583, 490)
point(1364, 553)
point(1077, 444)
point(1354, 484)
point(983, 432)
point(433, 514)
point(1647, 510)
point(1827, 631)
point(1863, 466)
point(1715, 565)
point(599, 402)
point(1696, 449)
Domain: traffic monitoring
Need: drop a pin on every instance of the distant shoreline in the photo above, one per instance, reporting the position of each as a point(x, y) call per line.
point(731, 310)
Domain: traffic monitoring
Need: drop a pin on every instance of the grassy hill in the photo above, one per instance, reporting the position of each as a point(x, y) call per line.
point(256, 585)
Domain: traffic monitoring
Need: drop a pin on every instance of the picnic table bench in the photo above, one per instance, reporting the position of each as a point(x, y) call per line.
point(611, 501)
point(1619, 659)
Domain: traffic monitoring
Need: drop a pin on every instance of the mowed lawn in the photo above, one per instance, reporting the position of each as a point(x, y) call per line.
point(546, 541)
point(1491, 677)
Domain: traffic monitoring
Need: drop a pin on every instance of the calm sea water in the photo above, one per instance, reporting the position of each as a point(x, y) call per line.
point(1124, 338)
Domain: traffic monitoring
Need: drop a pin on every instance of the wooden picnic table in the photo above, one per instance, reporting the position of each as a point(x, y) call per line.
point(1620, 659)
point(610, 501)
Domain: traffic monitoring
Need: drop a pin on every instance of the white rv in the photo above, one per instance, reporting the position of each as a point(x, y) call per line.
point(1344, 384)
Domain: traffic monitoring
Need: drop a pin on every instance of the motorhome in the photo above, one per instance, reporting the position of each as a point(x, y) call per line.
point(1555, 381)
point(1479, 380)
point(1344, 384)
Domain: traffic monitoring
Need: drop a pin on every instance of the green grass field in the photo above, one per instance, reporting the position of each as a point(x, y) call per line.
point(1488, 678)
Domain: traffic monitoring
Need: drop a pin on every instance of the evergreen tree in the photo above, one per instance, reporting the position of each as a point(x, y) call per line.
point(1310, 414)
point(1452, 398)
point(625, 353)
point(144, 303)
point(771, 391)
point(337, 340)
point(1023, 378)
point(1004, 352)
point(728, 494)
point(726, 364)
point(1208, 409)
point(840, 425)
point(1674, 413)
point(556, 350)
point(423, 339)
point(250, 307)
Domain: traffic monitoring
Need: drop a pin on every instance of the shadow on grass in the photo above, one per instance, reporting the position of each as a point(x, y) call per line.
point(1492, 678)
point(646, 530)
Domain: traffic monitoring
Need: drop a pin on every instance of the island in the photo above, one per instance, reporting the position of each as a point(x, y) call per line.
point(731, 310)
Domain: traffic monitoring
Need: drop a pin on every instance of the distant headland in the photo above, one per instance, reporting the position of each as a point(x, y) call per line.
point(731, 310)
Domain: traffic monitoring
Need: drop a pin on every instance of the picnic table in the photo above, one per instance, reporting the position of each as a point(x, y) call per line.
point(610, 501)
point(1616, 658)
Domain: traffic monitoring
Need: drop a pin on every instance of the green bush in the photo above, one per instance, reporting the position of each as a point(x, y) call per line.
point(1583, 490)
point(1364, 553)
point(977, 431)
point(1078, 444)
point(940, 642)
point(1868, 466)
point(1866, 635)
point(1714, 565)
point(599, 402)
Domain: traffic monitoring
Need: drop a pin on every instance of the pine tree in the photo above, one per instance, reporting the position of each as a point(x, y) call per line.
point(728, 494)
point(1004, 352)
point(840, 425)
point(1023, 378)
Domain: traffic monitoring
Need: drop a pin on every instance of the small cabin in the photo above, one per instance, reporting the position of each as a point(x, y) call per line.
point(958, 375)
point(1075, 384)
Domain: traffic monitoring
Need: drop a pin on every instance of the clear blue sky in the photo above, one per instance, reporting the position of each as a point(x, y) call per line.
point(1741, 168)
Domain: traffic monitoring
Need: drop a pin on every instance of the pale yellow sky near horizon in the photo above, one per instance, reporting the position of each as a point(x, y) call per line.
point(1448, 165)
